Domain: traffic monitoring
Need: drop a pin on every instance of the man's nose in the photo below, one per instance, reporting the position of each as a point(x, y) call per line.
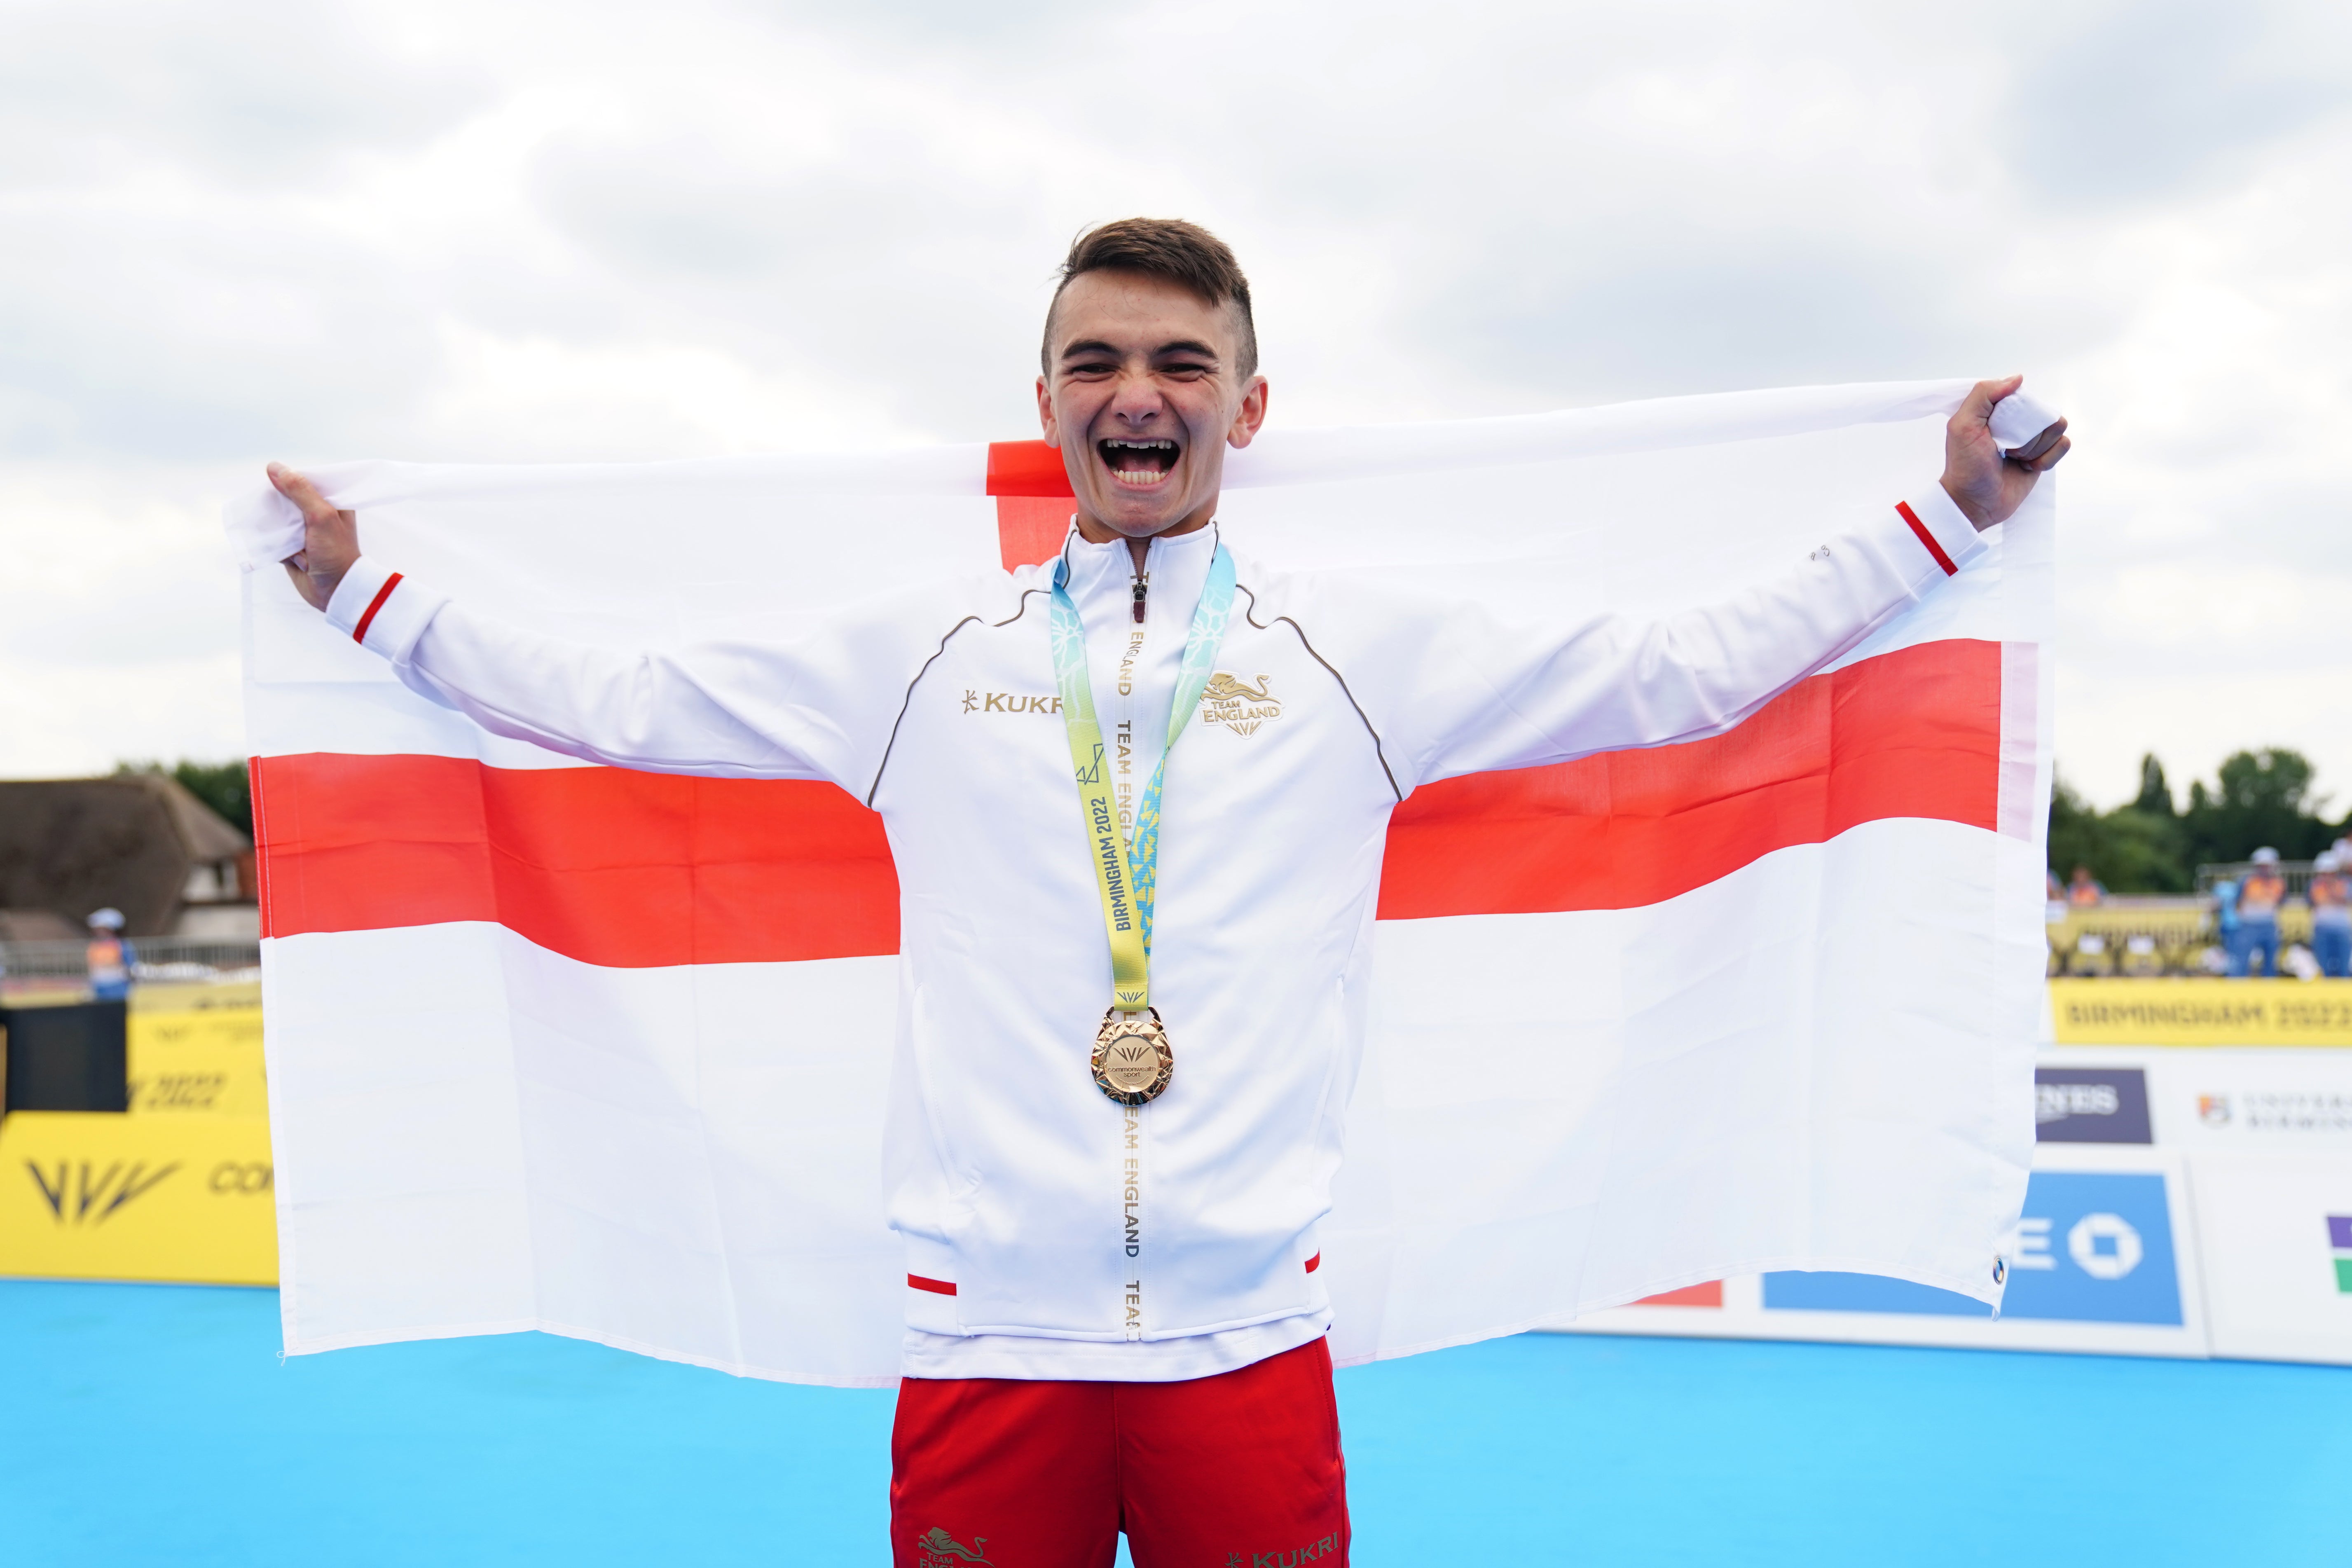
point(1138, 401)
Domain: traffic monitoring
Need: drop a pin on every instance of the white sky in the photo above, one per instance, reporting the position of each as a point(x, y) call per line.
point(519, 232)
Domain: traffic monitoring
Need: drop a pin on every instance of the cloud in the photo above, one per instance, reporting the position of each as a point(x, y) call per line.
point(2134, 100)
point(236, 95)
point(539, 231)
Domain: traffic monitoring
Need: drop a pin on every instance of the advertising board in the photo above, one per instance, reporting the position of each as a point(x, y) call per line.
point(2251, 1100)
point(2105, 1102)
point(2104, 1259)
point(197, 1059)
point(2276, 1232)
point(104, 1196)
point(2118, 1010)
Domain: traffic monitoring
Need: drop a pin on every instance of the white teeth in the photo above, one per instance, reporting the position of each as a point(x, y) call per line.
point(1114, 450)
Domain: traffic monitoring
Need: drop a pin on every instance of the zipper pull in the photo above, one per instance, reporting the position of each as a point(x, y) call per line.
point(1142, 587)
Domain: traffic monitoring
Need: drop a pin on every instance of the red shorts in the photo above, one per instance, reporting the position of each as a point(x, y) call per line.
point(1239, 1471)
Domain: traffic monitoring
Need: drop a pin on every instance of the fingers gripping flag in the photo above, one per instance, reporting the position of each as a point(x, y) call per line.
point(606, 1053)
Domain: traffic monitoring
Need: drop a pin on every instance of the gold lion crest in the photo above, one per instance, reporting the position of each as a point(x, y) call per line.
point(1227, 702)
point(940, 1547)
point(1223, 688)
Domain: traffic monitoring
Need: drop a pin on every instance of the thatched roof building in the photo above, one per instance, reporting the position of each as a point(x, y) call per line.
point(139, 842)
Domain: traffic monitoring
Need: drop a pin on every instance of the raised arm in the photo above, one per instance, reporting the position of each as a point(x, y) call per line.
point(1481, 693)
point(802, 708)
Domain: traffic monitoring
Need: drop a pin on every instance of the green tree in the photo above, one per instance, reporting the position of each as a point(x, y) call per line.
point(2145, 853)
point(2154, 797)
point(2131, 849)
point(2261, 797)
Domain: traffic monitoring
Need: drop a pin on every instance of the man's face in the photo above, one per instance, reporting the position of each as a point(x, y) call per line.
point(1142, 395)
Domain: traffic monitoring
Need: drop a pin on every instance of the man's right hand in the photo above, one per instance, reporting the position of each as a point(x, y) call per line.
point(330, 539)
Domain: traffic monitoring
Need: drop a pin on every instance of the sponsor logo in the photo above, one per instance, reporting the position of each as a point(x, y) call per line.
point(1241, 709)
point(1313, 1552)
point(2278, 1111)
point(2092, 1249)
point(2104, 1246)
point(2082, 1105)
point(178, 1091)
point(1009, 702)
point(2057, 1101)
point(939, 1550)
point(2339, 1242)
point(83, 1195)
point(250, 1177)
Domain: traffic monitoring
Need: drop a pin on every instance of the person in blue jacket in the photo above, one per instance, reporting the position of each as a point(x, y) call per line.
point(2225, 921)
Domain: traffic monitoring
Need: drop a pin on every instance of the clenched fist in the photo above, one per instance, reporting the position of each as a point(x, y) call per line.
point(330, 539)
point(1985, 486)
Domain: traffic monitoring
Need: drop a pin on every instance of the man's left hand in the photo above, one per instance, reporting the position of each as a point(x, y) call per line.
point(1985, 486)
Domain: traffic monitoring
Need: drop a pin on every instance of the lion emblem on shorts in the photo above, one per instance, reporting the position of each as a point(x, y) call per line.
point(941, 1549)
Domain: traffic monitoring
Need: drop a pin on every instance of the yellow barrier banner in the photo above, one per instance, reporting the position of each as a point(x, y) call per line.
point(2181, 1011)
point(197, 1060)
point(196, 996)
point(94, 1195)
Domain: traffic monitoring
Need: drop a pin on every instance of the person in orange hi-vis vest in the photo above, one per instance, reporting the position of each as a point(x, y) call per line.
point(2259, 897)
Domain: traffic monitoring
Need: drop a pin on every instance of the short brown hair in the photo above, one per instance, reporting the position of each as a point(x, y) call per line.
point(1183, 252)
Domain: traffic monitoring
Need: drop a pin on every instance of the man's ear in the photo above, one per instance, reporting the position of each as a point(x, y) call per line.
point(1250, 415)
point(1045, 420)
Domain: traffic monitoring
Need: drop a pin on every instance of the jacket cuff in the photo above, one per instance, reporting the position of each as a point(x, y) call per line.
point(380, 610)
point(1942, 530)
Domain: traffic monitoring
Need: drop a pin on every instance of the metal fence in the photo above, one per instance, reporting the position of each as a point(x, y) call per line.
point(158, 958)
point(2297, 874)
point(2126, 935)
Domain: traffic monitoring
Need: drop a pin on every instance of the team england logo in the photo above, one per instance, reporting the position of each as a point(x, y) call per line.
point(941, 1549)
point(1241, 709)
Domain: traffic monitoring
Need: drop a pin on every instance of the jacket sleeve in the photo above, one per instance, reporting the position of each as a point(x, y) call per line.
point(817, 703)
point(1474, 691)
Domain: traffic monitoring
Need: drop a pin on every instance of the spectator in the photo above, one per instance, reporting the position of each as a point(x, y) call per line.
point(2085, 891)
point(2225, 923)
point(2331, 916)
point(2259, 897)
point(109, 957)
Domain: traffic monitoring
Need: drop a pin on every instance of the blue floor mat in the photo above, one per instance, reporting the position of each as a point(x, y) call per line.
point(156, 1424)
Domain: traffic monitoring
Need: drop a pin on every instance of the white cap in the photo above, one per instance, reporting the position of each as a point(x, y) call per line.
point(2327, 861)
point(2266, 856)
point(107, 920)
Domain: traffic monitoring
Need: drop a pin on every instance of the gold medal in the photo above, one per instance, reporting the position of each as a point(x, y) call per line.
point(1132, 1062)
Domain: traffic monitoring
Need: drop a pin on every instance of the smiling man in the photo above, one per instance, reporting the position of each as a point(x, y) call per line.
point(1132, 1007)
point(1146, 381)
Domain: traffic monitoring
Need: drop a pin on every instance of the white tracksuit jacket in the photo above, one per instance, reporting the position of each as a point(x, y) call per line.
point(1050, 1232)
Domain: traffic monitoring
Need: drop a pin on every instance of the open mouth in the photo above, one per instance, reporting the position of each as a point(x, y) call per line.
point(1137, 462)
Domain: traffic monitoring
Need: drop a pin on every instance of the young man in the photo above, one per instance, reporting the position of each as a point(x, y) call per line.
point(1122, 1068)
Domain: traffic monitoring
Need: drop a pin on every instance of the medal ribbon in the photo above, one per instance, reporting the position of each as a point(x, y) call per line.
point(1128, 879)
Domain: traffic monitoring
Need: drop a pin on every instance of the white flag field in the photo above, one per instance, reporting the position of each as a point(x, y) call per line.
point(608, 1053)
